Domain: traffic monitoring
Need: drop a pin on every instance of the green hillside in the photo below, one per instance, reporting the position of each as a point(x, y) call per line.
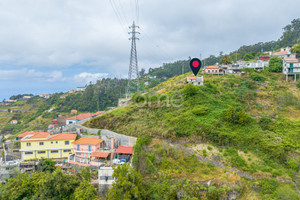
point(252, 123)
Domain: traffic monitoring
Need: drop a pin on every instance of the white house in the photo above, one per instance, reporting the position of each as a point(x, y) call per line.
point(195, 80)
point(14, 122)
point(291, 66)
point(80, 88)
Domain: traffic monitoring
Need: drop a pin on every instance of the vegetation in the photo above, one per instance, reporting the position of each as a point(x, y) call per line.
point(275, 64)
point(47, 185)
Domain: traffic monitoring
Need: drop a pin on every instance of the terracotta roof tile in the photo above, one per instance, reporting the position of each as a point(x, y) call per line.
point(291, 59)
point(212, 67)
point(80, 116)
point(40, 135)
point(100, 154)
point(91, 141)
point(26, 133)
point(63, 136)
point(191, 77)
point(125, 150)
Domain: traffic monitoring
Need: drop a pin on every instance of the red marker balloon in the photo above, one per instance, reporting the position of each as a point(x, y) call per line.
point(195, 65)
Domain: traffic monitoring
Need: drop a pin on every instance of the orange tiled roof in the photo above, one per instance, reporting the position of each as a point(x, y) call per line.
point(91, 141)
point(192, 77)
point(63, 136)
point(125, 150)
point(100, 154)
point(99, 112)
point(26, 133)
point(280, 53)
point(40, 135)
point(80, 116)
point(212, 67)
point(291, 59)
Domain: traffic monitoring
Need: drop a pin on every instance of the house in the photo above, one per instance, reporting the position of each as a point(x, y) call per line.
point(51, 109)
point(123, 102)
point(46, 96)
point(80, 88)
point(14, 122)
point(10, 101)
point(124, 152)
point(7, 136)
point(26, 98)
point(212, 69)
point(98, 113)
point(291, 66)
point(73, 111)
point(284, 53)
point(258, 65)
point(195, 80)
point(264, 57)
point(36, 145)
point(72, 91)
point(77, 118)
point(89, 152)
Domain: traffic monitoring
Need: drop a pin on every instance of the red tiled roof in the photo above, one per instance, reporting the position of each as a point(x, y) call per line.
point(100, 154)
point(63, 136)
point(26, 133)
point(99, 112)
point(191, 77)
point(40, 135)
point(91, 141)
point(291, 59)
point(80, 116)
point(125, 150)
point(212, 67)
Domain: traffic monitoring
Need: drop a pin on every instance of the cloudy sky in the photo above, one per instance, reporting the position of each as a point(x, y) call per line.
point(49, 46)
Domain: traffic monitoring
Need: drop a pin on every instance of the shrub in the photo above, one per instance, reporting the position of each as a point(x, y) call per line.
point(200, 110)
point(204, 153)
point(268, 186)
point(265, 122)
point(298, 84)
point(293, 164)
point(189, 90)
point(258, 77)
point(209, 148)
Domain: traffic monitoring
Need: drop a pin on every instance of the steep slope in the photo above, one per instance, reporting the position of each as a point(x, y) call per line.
point(249, 123)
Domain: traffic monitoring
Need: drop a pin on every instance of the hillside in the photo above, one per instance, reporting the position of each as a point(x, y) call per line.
point(249, 123)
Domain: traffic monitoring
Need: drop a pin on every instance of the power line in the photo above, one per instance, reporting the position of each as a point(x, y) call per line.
point(117, 14)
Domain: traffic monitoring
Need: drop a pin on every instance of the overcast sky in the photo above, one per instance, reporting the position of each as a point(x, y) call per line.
point(49, 46)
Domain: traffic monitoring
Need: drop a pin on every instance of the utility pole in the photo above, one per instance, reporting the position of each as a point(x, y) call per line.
point(133, 84)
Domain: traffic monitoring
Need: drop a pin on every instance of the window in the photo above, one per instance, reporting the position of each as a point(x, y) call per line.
point(54, 151)
point(41, 143)
point(51, 142)
point(41, 152)
point(78, 147)
point(28, 153)
point(208, 71)
point(56, 142)
point(28, 144)
point(90, 148)
point(67, 142)
point(66, 151)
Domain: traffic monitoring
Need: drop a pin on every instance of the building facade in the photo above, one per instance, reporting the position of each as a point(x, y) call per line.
point(37, 145)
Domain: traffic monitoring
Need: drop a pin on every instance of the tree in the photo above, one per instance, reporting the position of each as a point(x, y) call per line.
point(235, 57)
point(46, 165)
point(248, 56)
point(128, 184)
point(298, 84)
point(142, 72)
point(85, 191)
point(296, 49)
point(225, 60)
point(86, 174)
point(275, 64)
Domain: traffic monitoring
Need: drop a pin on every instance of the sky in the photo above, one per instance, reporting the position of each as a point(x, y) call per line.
point(50, 46)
